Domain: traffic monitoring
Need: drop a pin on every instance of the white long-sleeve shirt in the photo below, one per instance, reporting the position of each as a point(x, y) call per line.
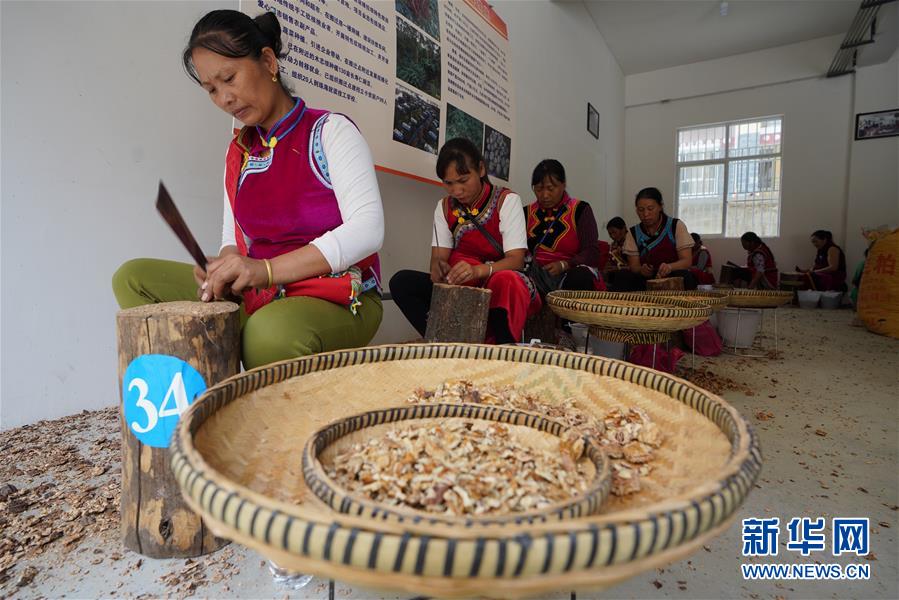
point(355, 185)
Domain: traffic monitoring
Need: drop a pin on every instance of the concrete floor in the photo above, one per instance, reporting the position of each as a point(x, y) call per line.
point(834, 379)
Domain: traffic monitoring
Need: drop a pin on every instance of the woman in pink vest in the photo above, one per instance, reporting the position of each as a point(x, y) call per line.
point(701, 267)
point(829, 270)
point(659, 246)
point(562, 234)
point(761, 269)
point(302, 212)
point(479, 239)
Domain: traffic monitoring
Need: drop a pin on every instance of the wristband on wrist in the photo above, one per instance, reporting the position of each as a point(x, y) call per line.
point(268, 270)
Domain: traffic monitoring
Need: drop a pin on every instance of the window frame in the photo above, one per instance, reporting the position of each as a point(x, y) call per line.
point(726, 161)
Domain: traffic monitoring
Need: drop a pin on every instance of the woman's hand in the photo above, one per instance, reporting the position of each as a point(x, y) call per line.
point(646, 270)
point(461, 273)
point(200, 274)
point(231, 274)
point(556, 268)
point(664, 270)
point(439, 269)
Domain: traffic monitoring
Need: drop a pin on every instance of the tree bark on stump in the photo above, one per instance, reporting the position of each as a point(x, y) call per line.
point(668, 283)
point(541, 326)
point(458, 314)
point(155, 520)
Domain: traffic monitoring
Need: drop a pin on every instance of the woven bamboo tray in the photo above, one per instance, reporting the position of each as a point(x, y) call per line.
point(742, 298)
point(716, 299)
point(236, 457)
point(531, 428)
point(628, 311)
point(625, 336)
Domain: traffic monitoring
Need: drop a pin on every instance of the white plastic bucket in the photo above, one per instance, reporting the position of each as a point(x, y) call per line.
point(596, 346)
point(749, 320)
point(809, 298)
point(831, 300)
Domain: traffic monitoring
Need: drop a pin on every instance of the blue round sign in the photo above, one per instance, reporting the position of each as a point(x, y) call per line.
point(156, 390)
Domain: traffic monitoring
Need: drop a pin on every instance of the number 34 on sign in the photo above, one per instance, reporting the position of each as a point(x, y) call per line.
point(156, 390)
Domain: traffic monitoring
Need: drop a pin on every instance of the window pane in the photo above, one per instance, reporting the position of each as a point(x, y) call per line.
point(705, 143)
point(755, 138)
point(753, 197)
point(700, 197)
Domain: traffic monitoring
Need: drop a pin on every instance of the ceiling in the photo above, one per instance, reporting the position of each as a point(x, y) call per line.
point(645, 35)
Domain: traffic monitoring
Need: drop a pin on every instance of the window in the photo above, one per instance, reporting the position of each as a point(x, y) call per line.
point(728, 177)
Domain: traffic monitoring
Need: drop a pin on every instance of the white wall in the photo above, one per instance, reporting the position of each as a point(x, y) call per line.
point(818, 122)
point(874, 165)
point(98, 109)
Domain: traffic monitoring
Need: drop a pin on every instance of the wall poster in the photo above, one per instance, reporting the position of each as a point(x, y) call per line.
point(410, 73)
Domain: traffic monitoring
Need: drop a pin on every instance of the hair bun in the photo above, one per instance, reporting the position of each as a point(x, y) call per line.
point(268, 24)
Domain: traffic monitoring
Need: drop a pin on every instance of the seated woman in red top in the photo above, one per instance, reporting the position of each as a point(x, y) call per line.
point(479, 239)
point(617, 230)
point(761, 269)
point(829, 271)
point(562, 234)
point(702, 262)
point(660, 246)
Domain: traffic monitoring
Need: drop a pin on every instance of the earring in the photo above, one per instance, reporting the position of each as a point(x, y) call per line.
point(274, 77)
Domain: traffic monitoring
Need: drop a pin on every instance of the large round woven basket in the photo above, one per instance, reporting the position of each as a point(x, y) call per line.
point(628, 311)
point(742, 298)
point(716, 299)
point(236, 456)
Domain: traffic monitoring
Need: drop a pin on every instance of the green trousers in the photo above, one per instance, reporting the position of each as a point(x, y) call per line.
point(286, 328)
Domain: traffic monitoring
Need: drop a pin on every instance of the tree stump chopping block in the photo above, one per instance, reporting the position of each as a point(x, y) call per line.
point(458, 314)
point(668, 283)
point(541, 326)
point(168, 354)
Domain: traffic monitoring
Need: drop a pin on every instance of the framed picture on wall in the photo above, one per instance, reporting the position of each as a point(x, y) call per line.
point(883, 123)
point(592, 121)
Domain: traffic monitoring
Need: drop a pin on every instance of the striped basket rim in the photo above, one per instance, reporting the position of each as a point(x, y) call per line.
point(759, 298)
point(716, 299)
point(665, 314)
point(625, 336)
point(454, 561)
point(342, 501)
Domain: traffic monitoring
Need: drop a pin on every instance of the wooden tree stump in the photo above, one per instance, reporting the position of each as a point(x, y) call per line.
point(155, 520)
point(668, 283)
point(458, 314)
point(541, 326)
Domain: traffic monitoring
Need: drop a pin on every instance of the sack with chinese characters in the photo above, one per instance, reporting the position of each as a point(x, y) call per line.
point(878, 296)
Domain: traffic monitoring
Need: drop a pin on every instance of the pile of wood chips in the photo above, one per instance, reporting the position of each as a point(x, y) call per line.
point(462, 467)
point(60, 483)
point(56, 489)
point(712, 382)
point(629, 437)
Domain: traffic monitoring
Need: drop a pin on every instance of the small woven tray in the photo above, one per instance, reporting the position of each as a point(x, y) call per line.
point(624, 336)
point(628, 311)
point(716, 299)
point(741, 298)
point(346, 502)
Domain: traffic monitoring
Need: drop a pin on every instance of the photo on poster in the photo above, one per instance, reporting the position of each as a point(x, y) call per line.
point(416, 120)
point(497, 153)
point(423, 13)
point(417, 59)
point(461, 124)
